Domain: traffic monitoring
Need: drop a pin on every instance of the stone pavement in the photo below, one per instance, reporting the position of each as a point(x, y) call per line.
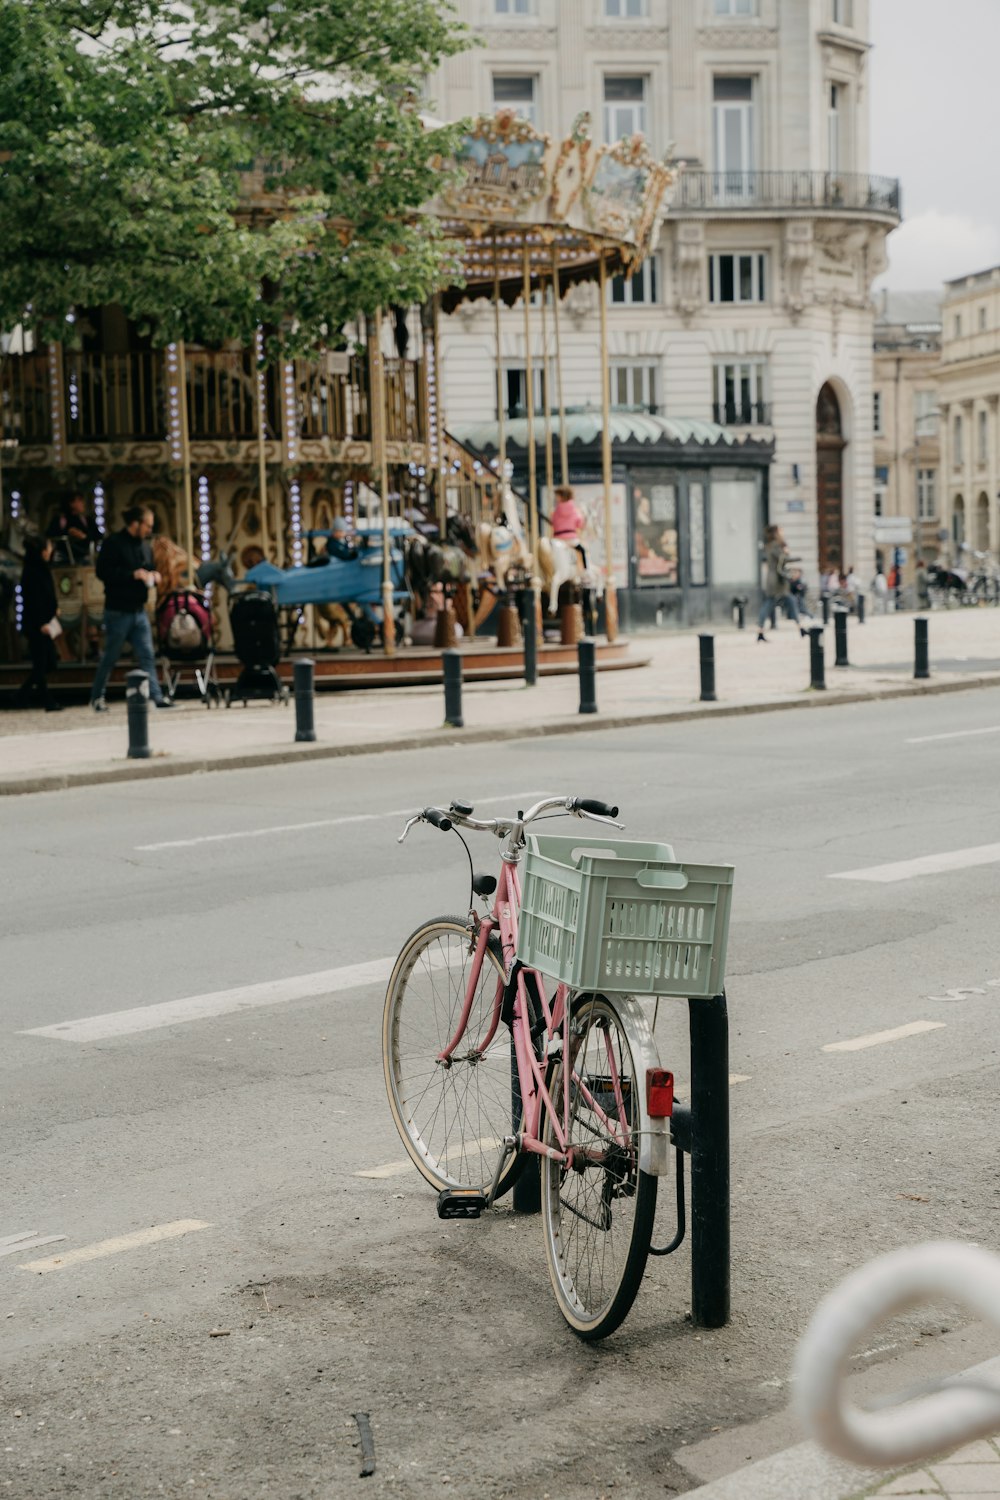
point(41, 751)
point(973, 1470)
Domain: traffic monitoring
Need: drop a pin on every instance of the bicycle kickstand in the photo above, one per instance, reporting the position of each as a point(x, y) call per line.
point(511, 1146)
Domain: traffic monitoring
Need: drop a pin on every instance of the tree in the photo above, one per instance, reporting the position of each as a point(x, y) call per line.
point(131, 130)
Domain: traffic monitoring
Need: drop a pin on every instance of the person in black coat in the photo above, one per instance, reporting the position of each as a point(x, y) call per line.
point(74, 531)
point(38, 609)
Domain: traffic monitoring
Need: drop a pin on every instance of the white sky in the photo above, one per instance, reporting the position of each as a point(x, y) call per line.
point(935, 121)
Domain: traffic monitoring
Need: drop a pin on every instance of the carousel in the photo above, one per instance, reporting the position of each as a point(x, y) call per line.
point(331, 486)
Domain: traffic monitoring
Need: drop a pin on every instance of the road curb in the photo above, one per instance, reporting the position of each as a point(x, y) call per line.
point(161, 765)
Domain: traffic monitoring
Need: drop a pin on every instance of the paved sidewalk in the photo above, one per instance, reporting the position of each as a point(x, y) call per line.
point(48, 751)
point(973, 1470)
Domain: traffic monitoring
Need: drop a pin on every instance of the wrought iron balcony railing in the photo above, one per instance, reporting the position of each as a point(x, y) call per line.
point(742, 414)
point(115, 398)
point(847, 191)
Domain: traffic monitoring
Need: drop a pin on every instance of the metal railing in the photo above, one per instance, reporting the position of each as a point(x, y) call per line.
point(849, 191)
point(25, 404)
point(742, 413)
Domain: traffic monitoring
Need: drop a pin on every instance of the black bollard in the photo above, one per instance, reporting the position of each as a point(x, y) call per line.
point(740, 606)
point(861, 609)
point(709, 1145)
point(921, 658)
point(302, 673)
point(825, 601)
point(452, 663)
point(706, 657)
point(817, 674)
point(529, 631)
point(587, 656)
point(840, 637)
point(137, 706)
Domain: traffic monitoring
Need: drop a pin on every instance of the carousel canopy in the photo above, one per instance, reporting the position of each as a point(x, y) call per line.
point(629, 429)
point(520, 198)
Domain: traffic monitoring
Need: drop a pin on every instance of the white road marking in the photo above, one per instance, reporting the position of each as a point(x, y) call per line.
point(397, 1168)
point(878, 1038)
point(739, 1078)
point(28, 1239)
point(223, 1002)
point(954, 734)
point(926, 864)
point(115, 1246)
point(257, 833)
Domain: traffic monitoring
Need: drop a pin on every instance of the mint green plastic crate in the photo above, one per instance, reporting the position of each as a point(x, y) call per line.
point(622, 917)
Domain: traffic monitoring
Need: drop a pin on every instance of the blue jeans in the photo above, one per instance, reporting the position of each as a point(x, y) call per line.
point(769, 610)
point(123, 625)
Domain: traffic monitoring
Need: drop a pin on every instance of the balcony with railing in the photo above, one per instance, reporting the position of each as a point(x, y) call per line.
point(742, 413)
point(837, 192)
point(124, 398)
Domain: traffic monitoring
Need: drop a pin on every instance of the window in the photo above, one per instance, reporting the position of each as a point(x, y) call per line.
point(741, 277)
point(735, 7)
point(843, 12)
point(926, 497)
point(957, 325)
point(982, 320)
point(654, 529)
point(833, 128)
point(957, 442)
point(740, 393)
point(634, 383)
point(982, 441)
point(516, 389)
point(733, 148)
point(618, 8)
point(514, 7)
point(517, 91)
point(624, 107)
point(925, 413)
point(877, 412)
point(642, 287)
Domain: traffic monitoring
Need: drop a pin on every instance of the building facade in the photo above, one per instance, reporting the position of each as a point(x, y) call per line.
point(905, 420)
point(755, 311)
point(969, 383)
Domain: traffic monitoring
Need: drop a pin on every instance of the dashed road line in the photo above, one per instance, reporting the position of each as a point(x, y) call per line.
point(116, 1246)
point(954, 734)
point(926, 864)
point(879, 1038)
point(27, 1239)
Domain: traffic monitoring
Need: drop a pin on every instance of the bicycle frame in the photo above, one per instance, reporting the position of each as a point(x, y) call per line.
point(535, 1094)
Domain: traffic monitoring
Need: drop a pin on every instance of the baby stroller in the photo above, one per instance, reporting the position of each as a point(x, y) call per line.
point(253, 619)
point(184, 636)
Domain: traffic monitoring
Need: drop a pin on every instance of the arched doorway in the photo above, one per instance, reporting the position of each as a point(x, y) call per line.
point(958, 519)
point(983, 522)
point(830, 444)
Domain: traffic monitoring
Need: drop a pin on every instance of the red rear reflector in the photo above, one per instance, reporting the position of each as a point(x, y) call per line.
point(659, 1092)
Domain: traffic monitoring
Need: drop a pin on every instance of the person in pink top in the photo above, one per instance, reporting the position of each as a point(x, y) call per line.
point(568, 520)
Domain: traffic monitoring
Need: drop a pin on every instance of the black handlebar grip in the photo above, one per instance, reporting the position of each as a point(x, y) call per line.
point(431, 815)
point(599, 809)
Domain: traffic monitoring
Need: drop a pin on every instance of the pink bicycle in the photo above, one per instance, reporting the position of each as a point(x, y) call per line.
point(485, 1068)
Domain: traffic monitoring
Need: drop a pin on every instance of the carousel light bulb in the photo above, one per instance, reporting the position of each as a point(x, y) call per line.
point(99, 505)
point(18, 607)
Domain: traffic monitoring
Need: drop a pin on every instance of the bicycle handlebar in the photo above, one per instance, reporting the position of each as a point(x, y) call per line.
point(580, 807)
point(888, 1285)
point(594, 809)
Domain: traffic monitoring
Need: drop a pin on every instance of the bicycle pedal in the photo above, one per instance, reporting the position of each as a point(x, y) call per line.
point(461, 1203)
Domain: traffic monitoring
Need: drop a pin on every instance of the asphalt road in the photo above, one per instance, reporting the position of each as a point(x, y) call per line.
point(244, 1290)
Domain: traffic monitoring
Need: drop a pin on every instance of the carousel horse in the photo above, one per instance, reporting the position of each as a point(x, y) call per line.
point(446, 563)
point(559, 563)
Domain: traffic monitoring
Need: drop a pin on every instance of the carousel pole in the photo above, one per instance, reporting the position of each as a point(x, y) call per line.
point(380, 458)
point(610, 596)
point(501, 427)
point(563, 444)
point(438, 418)
point(188, 516)
point(261, 442)
point(530, 381)
point(547, 402)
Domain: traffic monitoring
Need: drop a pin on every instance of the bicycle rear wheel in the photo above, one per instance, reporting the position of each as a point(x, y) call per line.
point(597, 1214)
point(451, 1119)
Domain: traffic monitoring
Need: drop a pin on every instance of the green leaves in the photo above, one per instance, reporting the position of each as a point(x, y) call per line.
point(214, 166)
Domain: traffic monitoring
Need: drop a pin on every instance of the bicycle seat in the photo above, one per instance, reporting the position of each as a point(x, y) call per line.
point(484, 885)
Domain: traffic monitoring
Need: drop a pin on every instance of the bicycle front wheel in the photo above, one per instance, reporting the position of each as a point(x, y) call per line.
point(597, 1213)
point(452, 1119)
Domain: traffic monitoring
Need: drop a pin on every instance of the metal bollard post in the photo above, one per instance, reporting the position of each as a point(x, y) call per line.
point(137, 707)
point(706, 658)
point(587, 656)
point(840, 637)
point(825, 601)
point(530, 634)
point(302, 675)
point(817, 674)
point(452, 663)
point(709, 1033)
point(921, 658)
point(740, 606)
point(861, 609)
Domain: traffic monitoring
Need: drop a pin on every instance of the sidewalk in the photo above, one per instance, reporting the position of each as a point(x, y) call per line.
point(40, 752)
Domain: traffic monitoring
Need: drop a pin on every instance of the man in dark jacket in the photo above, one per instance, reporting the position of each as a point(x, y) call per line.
point(125, 567)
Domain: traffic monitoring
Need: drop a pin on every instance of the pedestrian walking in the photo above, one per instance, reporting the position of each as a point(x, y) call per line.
point(777, 584)
point(39, 624)
point(125, 567)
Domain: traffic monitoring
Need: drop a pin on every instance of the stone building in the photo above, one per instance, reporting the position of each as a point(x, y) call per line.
point(969, 383)
point(905, 422)
point(755, 312)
